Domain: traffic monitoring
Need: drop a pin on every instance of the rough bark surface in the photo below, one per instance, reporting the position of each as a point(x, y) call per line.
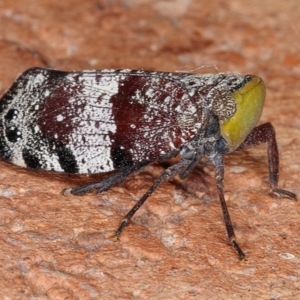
point(57, 247)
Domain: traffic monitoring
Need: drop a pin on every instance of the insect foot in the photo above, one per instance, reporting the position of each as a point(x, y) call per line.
point(284, 194)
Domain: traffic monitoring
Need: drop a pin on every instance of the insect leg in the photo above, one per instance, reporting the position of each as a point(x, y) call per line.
point(106, 183)
point(219, 176)
point(190, 167)
point(167, 174)
point(265, 133)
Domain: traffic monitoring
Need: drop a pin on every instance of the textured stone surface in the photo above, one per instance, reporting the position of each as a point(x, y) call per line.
point(58, 247)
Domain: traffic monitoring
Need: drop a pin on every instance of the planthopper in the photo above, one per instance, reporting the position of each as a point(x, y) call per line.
point(88, 122)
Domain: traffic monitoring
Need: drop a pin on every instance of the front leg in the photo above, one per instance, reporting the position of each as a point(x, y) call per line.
point(219, 177)
point(265, 133)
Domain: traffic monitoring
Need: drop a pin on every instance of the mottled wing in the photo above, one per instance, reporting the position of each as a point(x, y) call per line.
point(95, 121)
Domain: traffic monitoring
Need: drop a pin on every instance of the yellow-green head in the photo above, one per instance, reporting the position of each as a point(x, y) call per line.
point(249, 100)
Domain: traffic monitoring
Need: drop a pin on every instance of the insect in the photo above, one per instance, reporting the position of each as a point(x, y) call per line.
point(89, 122)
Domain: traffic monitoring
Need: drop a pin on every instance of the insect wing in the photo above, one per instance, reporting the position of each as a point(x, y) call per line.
point(98, 121)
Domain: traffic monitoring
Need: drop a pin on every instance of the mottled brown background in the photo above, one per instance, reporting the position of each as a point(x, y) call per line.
point(56, 247)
